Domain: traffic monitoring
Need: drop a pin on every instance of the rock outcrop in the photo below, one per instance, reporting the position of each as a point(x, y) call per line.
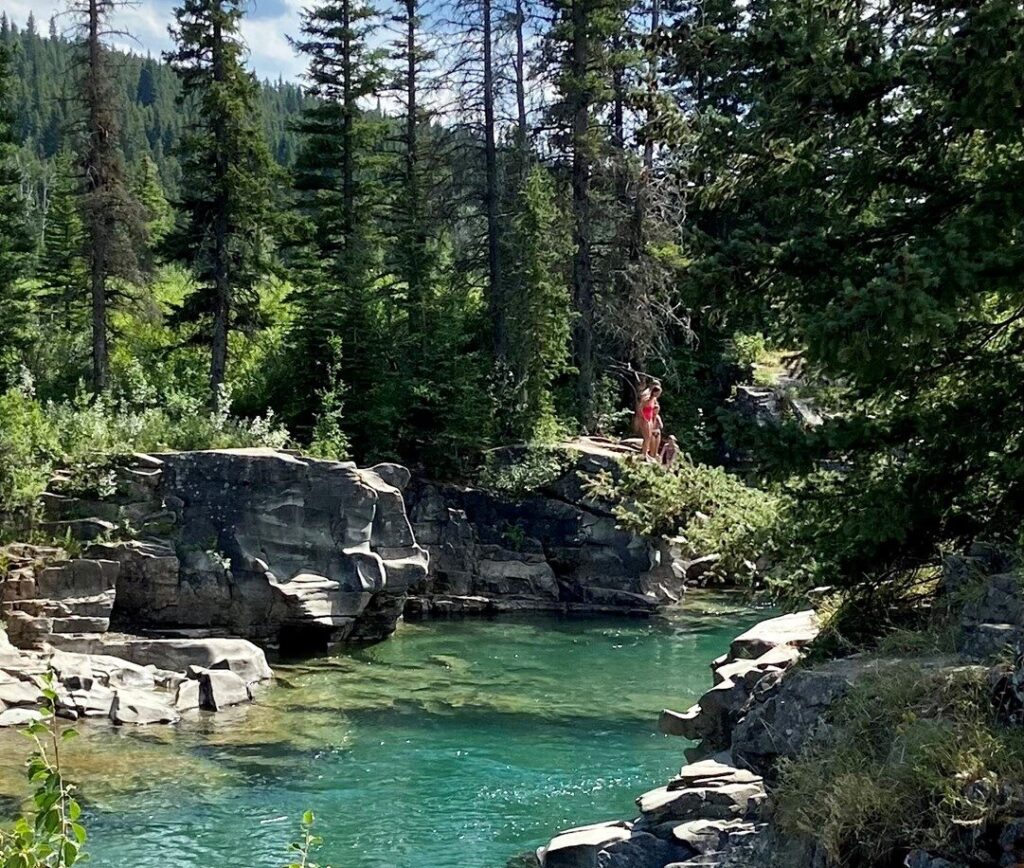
point(554, 549)
point(761, 654)
point(256, 543)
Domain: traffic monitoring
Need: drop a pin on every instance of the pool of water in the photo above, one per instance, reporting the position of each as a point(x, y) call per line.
point(452, 744)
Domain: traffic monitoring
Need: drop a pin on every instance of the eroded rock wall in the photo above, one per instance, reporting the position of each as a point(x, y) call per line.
point(555, 549)
point(257, 543)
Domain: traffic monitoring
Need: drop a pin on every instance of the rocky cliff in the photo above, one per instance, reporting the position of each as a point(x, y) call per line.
point(554, 548)
point(257, 543)
point(185, 557)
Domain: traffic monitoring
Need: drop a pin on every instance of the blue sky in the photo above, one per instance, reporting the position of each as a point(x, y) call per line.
point(265, 27)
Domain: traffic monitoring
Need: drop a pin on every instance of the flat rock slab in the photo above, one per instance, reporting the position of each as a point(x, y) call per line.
point(727, 802)
point(711, 773)
point(140, 709)
point(579, 848)
point(19, 717)
point(15, 693)
point(796, 629)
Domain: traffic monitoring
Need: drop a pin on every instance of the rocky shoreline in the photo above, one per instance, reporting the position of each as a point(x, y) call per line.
point(766, 705)
point(187, 565)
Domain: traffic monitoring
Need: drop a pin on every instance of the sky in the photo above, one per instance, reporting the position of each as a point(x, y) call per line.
point(265, 27)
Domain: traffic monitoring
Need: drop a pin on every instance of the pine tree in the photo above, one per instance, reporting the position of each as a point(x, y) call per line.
point(113, 221)
point(576, 50)
point(63, 263)
point(538, 314)
point(229, 179)
point(15, 245)
point(149, 192)
point(339, 190)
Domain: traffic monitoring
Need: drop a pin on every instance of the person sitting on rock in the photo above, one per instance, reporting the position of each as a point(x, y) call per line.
point(669, 451)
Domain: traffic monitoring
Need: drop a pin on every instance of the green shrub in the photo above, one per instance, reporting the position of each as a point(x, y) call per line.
point(80, 435)
point(532, 470)
point(915, 758)
point(711, 510)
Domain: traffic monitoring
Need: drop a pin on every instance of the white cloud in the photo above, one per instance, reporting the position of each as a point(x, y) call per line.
point(264, 28)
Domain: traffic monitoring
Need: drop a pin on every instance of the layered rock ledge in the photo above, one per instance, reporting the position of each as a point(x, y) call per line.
point(766, 705)
point(554, 549)
point(185, 557)
point(256, 543)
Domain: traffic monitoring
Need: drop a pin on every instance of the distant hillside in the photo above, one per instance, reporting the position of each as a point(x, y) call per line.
point(151, 121)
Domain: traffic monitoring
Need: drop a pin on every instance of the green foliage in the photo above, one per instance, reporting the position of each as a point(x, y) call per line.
point(827, 217)
point(329, 439)
point(538, 316)
point(63, 270)
point(913, 758)
point(152, 124)
point(14, 239)
point(36, 437)
point(305, 848)
point(149, 191)
point(54, 837)
point(229, 218)
point(527, 472)
point(711, 511)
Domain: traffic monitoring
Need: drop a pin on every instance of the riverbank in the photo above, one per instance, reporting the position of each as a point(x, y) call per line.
point(905, 754)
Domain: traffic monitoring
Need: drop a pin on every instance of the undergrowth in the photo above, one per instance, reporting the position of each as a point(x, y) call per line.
point(708, 509)
point(914, 758)
point(82, 434)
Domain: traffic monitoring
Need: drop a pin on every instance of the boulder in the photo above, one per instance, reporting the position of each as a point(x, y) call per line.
point(794, 710)
point(19, 717)
point(262, 544)
point(796, 630)
point(218, 688)
point(714, 802)
point(580, 847)
point(187, 697)
point(140, 708)
point(14, 693)
point(553, 545)
point(237, 655)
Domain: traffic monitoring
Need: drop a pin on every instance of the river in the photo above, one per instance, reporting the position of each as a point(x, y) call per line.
point(456, 743)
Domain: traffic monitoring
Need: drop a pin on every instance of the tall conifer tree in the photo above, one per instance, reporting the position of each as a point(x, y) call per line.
point(229, 179)
point(113, 220)
point(15, 245)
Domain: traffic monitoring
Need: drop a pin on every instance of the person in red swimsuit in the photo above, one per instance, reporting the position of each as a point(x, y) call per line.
point(649, 421)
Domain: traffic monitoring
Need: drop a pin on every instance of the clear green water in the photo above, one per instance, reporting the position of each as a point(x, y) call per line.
point(452, 744)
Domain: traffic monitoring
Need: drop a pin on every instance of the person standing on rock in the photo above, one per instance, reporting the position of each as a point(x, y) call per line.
point(648, 421)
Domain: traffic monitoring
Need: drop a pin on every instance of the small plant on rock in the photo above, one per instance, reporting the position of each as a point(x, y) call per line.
point(54, 838)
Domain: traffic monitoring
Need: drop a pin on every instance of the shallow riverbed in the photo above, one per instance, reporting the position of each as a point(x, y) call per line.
point(452, 744)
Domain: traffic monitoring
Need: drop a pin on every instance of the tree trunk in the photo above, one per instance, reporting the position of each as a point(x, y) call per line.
point(98, 221)
point(522, 131)
point(348, 173)
point(497, 300)
point(221, 236)
point(582, 266)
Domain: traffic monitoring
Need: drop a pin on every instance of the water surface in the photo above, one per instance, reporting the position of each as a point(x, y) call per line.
point(452, 745)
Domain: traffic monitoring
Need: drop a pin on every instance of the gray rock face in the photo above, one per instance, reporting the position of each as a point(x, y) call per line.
point(554, 550)
point(767, 649)
point(140, 708)
point(707, 811)
point(254, 542)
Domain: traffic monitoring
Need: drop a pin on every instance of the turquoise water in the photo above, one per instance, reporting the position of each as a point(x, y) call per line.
point(451, 744)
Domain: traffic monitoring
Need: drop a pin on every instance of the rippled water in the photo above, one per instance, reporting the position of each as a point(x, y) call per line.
point(452, 744)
